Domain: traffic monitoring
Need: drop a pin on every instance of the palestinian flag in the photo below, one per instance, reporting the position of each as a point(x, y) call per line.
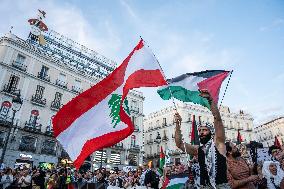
point(194, 132)
point(175, 181)
point(186, 87)
point(100, 116)
point(162, 161)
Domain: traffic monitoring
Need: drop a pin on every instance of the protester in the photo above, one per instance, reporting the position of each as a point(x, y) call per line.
point(273, 174)
point(239, 171)
point(7, 178)
point(212, 153)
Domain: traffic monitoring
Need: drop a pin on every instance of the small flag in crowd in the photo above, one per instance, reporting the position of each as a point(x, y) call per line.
point(162, 161)
point(194, 132)
point(99, 117)
point(239, 137)
point(277, 142)
point(175, 181)
point(186, 87)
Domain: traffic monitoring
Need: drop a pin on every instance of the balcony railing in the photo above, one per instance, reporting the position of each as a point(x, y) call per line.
point(49, 131)
point(150, 141)
point(135, 147)
point(165, 138)
point(61, 83)
point(38, 101)
point(55, 105)
point(134, 109)
point(43, 76)
point(77, 89)
point(118, 146)
point(136, 129)
point(12, 91)
point(32, 127)
point(27, 147)
point(19, 65)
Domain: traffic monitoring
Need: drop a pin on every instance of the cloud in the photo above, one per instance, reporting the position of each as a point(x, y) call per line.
point(274, 24)
point(128, 9)
point(65, 19)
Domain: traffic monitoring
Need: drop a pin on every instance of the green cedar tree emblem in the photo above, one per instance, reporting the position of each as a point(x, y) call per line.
point(114, 105)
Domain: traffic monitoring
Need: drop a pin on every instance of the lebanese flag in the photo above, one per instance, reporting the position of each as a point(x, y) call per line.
point(187, 87)
point(99, 117)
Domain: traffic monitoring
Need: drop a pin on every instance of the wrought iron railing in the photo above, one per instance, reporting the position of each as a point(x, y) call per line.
point(55, 105)
point(19, 65)
point(11, 90)
point(77, 89)
point(61, 83)
point(32, 126)
point(38, 101)
point(43, 76)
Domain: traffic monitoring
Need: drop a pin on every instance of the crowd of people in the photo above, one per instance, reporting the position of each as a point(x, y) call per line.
point(214, 164)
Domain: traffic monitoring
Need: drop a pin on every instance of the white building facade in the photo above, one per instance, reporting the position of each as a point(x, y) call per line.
point(266, 133)
point(46, 77)
point(162, 123)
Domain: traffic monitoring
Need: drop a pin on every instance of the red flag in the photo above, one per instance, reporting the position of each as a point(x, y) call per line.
point(277, 142)
point(239, 137)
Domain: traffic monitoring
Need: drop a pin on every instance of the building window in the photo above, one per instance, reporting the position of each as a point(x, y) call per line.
point(5, 108)
point(13, 83)
point(49, 147)
point(44, 71)
point(28, 143)
point(39, 92)
point(56, 103)
point(133, 140)
point(49, 127)
point(33, 121)
point(61, 81)
point(157, 123)
point(43, 74)
point(164, 121)
point(20, 59)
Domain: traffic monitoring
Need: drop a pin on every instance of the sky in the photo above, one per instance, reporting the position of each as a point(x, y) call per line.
point(185, 36)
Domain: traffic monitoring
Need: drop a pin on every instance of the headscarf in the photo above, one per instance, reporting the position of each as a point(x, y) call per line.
point(273, 181)
point(209, 126)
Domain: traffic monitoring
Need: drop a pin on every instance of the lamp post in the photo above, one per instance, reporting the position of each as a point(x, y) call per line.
point(17, 104)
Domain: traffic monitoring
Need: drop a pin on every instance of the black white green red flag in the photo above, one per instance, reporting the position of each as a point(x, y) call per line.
point(99, 117)
point(186, 87)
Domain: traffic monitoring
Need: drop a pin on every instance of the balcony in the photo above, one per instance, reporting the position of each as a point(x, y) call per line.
point(134, 148)
point(11, 91)
point(165, 138)
point(61, 83)
point(32, 127)
point(55, 105)
point(27, 147)
point(118, 146)
point(43, 76)
point(76, 89)
point(37, 100)
point(134, 109)
point(19, 65)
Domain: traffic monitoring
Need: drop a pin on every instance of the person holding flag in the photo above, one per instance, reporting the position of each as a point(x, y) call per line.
point(211, 154)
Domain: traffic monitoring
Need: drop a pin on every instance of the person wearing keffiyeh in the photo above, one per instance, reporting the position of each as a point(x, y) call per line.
point(274, 175)
point(211, 154)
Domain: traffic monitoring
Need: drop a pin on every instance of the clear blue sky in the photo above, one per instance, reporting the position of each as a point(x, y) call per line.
point(186, 36)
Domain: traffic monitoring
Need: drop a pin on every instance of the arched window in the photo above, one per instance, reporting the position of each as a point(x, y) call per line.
point(5, 108)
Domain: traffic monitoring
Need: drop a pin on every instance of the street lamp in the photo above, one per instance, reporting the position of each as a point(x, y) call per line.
point(17, 104)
